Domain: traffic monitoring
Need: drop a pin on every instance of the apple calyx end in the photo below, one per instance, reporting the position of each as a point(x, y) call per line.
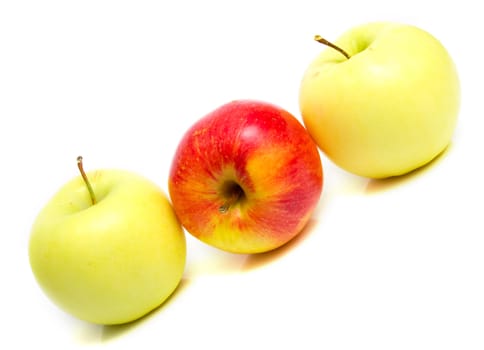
point(233, 193)
point(86, 180)
point(323, 41)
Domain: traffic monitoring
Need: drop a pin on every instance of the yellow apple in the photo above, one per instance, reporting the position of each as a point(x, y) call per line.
point(389, 106)
point(112, 257)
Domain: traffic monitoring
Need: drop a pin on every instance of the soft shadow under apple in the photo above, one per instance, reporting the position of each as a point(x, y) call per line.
point(110, 332)
point(379, 185)
point(86, 333)
point(257, 260)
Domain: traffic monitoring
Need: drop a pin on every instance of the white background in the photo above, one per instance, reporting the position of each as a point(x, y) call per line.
point(393, 264)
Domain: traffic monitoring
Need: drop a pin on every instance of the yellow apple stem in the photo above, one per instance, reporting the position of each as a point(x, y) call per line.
point(235, 194)
point(86, 181)
point(322, 40)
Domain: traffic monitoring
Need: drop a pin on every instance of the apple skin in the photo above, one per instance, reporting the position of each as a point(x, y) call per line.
point(112, 262)
point(389, 109)
point(263, 152)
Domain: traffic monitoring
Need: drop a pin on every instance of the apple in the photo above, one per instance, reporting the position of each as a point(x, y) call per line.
point(108, 247)
point(382, 100)
point(246, 177)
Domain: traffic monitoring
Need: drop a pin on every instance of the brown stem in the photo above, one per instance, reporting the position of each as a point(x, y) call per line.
point(86, 181)
point(322, 40)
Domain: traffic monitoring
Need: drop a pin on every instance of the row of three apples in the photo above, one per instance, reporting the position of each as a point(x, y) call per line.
point(109, 247)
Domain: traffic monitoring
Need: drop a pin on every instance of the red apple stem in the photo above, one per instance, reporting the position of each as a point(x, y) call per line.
point(323, 41)
point(86, 181)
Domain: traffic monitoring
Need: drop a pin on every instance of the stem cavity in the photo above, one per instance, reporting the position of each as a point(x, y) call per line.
point(323, 41)
point(86, 181)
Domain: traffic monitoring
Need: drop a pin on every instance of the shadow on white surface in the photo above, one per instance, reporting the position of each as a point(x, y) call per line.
point(257, 260)
point(379, 185)
point(212, 261)
point(111, 332)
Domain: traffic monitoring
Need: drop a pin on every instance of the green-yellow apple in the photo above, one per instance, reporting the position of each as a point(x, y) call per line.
point(383, 100)
point(108, 248)
point(246, 177)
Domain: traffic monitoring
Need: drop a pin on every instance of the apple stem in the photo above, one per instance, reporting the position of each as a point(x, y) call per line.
point(86, 181)
point(236, 194)
point(322, 40)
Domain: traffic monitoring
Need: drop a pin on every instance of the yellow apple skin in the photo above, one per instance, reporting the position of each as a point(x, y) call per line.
point(389, 109)
point(111, 262)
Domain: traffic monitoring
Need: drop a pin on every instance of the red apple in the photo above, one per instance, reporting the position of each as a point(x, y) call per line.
point(246, 177)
